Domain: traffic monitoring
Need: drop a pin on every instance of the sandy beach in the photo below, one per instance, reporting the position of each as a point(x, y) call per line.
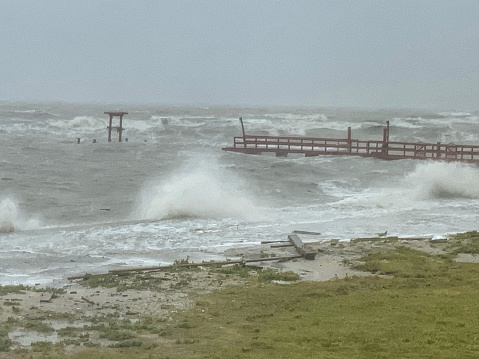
point(47, 315)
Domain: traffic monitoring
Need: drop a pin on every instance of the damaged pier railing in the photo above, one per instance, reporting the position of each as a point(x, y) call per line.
point(384, 149)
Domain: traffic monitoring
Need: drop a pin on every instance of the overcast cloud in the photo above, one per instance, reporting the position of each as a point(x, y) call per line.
point(376, 54)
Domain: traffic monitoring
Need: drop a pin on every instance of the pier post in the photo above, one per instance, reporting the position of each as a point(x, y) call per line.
point(110, 127)
point(387, 131)
point(244, 134)
point(438, 150)
point(349, 139)
point(385, 148)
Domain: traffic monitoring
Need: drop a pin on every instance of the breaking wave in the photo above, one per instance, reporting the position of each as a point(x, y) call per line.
point(444, 180)
point(11, 218)
point(199, 190)
point(80, 123)
point(427, 182)
point(8, 215)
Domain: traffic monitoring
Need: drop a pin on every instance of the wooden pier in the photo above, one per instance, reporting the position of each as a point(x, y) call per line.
point(383, 149)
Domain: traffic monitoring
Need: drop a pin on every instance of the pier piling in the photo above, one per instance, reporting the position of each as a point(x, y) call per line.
point(119, 129)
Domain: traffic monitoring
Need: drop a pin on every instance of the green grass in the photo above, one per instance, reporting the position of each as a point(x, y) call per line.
point(354, 318)
point(418, 306)
point(5, 341)
point(7, 289)
point(405, 263)
point(13, 289)
point(305, 320)
point(269, 275)
point(123, 282)
point(235, 269)
point(467, 242)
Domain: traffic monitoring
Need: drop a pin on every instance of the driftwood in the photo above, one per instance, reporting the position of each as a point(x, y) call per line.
point(302, 249)
point(293, 240)
point(46, 297)
point(282, 245)
point(202, 264)
point(191, 265)
point(306, 232)
point(269, 242)
point(88, 300)
point(391, 238)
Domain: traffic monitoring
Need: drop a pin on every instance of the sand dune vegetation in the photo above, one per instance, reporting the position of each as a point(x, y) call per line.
point(416, 299)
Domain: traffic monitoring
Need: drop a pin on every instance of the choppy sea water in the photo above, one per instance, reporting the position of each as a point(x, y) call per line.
point(170, 191)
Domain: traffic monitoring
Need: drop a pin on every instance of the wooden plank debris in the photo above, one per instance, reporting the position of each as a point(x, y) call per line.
point(269, 242)
point(186, 265)
point(391, 238)
point(91, 302)
point(46, 297)
point(241, 261)
point(302, 249)
point(306, 232)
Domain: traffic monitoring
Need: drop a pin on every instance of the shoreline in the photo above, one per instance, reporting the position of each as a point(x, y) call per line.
point(163, 294)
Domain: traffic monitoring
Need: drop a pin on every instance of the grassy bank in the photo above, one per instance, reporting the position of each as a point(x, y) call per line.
point(416, 305)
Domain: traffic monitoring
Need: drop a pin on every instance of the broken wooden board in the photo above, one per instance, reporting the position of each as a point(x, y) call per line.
point(46, 297)
point(301, 248)
point(186, 265)
point(306, 232)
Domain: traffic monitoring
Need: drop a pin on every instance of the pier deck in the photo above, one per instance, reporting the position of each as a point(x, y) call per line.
point(384, 149)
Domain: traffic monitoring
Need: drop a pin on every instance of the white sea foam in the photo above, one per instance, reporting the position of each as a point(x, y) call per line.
point(427, 182)
point(299, 126)
point(190, 121)
point(199, 189)
point(295, 117)
point(455, 114)
point(84, 123)
point(11, 219)
point(25, 111)
point(8, 215)
point(283, 127)
point(142, 125)
point(410, 123)
point(343, 126)
point(417, 190)
point(444, 180)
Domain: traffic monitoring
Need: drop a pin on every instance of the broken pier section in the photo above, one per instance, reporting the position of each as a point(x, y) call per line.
point(303, 252)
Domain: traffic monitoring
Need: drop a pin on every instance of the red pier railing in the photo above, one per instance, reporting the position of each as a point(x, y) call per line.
point(384, 149)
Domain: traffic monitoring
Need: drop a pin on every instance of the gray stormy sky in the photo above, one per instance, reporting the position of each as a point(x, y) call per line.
point(376, 54)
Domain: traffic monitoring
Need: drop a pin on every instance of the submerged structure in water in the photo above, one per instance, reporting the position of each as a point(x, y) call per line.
point(384, 149)
point(119, 129)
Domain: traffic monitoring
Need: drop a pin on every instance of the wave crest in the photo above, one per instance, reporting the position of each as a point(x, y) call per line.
point(444, 180)
point(11, 218)
point(8, 215)
point(202, 191)
point(81, 123)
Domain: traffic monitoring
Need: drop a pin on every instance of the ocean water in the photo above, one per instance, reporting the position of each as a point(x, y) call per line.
point(169, 192)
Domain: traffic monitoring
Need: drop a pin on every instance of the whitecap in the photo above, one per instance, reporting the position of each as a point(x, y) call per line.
point(197, 190)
